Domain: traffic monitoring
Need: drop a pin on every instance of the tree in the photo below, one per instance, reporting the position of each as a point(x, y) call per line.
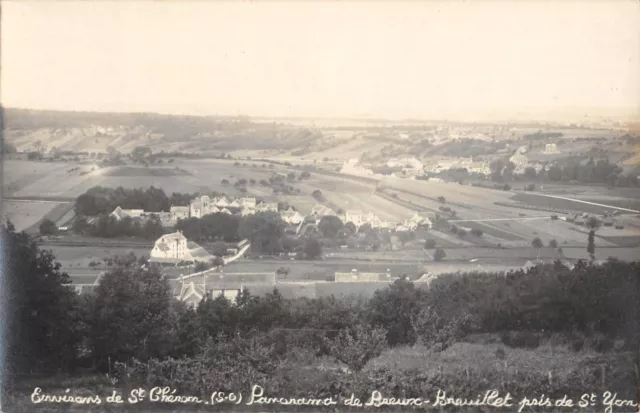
point(40, 319)
point(317, 194)
point(330, 226)
point(351, 227)
point(442, 199)
point(264, 230)
point(48, 227)
point(476, 232)
point(553, 243)
point(537, 244)
point(354, 347)
point(507, 173)
point(393, 309)
point(312, 249)
point(439, 254)
point(496, 167)
point(131, 314)
point(219, 249)
point(591, 245)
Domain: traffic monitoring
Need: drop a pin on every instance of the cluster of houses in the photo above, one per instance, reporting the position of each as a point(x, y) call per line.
point(205, 205)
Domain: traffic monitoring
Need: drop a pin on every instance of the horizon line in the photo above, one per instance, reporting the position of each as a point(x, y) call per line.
point(630, 115)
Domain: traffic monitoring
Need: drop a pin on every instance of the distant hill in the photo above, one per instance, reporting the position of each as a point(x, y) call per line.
point(95, 132)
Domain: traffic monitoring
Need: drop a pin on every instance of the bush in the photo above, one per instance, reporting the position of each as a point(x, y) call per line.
point(48, 227)
point(554, 217)
point(439, 254)
point(430, 244)
point(462, 233)
point(476, 232)
point(553, 243)
point(454, 228)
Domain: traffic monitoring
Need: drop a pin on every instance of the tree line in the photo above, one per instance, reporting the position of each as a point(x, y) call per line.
point(103, 200)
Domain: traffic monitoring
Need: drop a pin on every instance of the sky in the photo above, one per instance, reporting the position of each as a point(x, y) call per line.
point(415, 59)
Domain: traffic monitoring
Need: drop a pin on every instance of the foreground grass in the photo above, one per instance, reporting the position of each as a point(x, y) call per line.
point(399, 372)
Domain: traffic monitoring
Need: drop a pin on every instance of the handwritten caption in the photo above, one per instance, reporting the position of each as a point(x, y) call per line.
point(608, 401)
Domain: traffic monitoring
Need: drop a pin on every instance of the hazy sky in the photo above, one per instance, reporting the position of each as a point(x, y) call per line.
point(362, 58)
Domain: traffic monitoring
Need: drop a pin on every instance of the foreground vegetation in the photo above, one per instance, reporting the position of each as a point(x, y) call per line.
point(551, 330)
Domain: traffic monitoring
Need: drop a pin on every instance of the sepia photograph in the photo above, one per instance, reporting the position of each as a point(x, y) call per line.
point(320, 206)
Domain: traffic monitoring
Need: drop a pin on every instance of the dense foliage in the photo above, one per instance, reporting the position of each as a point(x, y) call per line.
point(102, 200)
point(133, 328)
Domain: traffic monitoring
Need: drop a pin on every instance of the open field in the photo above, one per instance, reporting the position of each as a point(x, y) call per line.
point(26, 214)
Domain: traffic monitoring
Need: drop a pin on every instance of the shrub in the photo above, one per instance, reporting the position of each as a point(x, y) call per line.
point(553, 243)
point(476, 232)
point(430, 244)
point(439, 254)
point(454, 228)
point(554, 217)
point(462, 233)
point(48, 227)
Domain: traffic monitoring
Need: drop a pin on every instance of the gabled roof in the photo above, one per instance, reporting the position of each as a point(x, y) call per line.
point(174, 236)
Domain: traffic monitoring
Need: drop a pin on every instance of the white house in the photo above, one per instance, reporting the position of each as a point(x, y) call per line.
point(354, 215)
point(322, 211)
point(267, 206)
point(178, 212)
point(519, 160)
point(175, 247)
point(550, 148)
point(170, 246)
point(417, 220)
point(291, 217)
point(247, 202)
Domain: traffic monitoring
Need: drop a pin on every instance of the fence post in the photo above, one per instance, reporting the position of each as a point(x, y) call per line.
point(550, 378)
point(467, 371)
point(603, 371)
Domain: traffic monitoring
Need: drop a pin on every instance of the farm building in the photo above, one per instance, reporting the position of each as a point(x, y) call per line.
point(120, 213)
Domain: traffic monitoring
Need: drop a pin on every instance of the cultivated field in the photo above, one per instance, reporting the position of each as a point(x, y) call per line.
point(25, 214)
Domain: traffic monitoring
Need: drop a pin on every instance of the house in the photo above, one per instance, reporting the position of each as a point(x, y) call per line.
point(519, 160)
point(234, 204)
point(200, 207)
point(291, 217)
point(225, 211)
point(322, 211)
point(120, 213)
point(170, 246)
point(247, 202)
point(267, 206)
point(417, 220)
point(551, 148)
point(175, 247)
point(191, 293)
point(178, 212)
point(355, 216)
point(248, 211)
point(221, 202)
